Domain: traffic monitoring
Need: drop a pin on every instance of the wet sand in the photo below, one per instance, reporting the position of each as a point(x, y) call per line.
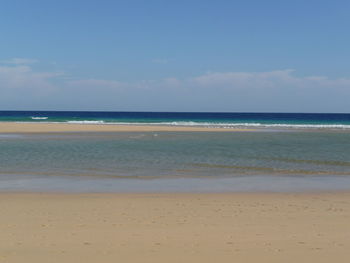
point(13, 127)
point(237, 227)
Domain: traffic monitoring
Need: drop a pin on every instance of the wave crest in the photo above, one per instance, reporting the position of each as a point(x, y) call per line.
point(86, 122)
point(39, 118)
point(208, 124)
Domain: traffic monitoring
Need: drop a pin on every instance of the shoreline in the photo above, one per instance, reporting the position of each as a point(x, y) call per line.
point(157, 227)
point(29, 127)
point(248, 184)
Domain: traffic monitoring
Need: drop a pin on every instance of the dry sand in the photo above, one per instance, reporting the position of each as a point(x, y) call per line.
point(13, 127)
point(155, 228)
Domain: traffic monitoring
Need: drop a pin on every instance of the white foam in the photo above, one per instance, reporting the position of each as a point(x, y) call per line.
point(212, 124)
point(246, 124)
point(39, 118)
point(86, 122)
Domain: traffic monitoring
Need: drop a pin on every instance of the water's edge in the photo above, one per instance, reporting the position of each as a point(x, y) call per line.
point(64, 184)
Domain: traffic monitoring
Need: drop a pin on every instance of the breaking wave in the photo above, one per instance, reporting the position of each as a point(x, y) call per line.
point(208, 124)
point(86, 122)
point(223, 125)
point(39, 118)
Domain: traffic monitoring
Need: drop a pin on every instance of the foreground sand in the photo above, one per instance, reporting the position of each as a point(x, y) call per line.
point(14, 127)
point(174, 227)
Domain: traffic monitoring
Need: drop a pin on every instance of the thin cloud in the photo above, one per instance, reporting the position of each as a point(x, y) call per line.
point(17, 81)
point(279, 90)
point(95, 83)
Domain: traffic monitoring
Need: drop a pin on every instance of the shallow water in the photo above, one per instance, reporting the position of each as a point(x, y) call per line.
point(174, 155)
point(77, 184)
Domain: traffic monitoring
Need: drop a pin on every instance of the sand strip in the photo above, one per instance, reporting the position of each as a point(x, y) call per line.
point(155, 228)
point(15, 127)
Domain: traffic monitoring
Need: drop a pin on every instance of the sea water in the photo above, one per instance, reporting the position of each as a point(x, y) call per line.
point(207, 119)
point(261, 160)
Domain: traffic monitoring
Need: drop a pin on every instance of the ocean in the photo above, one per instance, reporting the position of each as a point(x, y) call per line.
point(285, 152)
point(207, 119)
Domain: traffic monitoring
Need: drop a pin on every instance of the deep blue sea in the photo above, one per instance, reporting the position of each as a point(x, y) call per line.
point(274, 120)
point(286, 152)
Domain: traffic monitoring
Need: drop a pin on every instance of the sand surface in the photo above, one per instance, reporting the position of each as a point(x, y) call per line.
point(13, 127)
point(155, 228)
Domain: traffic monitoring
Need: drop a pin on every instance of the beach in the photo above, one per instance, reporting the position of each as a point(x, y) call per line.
point(150, 193)
point(174, 131)
point(174, 227)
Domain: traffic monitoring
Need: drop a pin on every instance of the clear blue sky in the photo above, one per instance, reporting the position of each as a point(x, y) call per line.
point(175, 55)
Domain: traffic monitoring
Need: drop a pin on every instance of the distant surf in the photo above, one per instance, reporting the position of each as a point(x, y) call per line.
point(198, 119)
point(206, 124)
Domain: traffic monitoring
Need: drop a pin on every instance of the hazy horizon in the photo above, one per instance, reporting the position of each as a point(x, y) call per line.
point(249, 112)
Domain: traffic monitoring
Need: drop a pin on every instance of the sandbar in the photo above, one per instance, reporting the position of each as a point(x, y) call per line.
point(27, 127)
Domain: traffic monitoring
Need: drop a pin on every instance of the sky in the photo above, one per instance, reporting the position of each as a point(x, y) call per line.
point(193, 55)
